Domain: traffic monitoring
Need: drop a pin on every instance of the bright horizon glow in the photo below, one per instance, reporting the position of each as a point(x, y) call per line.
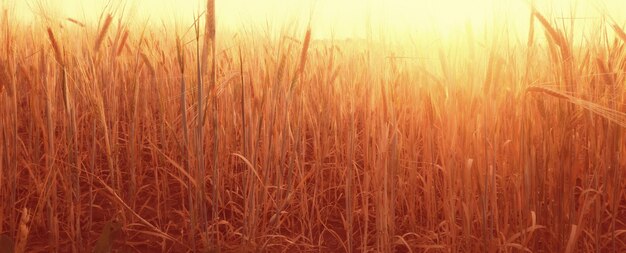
point(330, 18)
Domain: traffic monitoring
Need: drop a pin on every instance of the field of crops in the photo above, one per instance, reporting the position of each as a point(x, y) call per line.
point(118, 137)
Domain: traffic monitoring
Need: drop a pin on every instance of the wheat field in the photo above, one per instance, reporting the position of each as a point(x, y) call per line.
point(118, 137)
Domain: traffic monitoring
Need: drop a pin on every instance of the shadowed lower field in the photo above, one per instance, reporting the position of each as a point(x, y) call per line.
point(114, 138)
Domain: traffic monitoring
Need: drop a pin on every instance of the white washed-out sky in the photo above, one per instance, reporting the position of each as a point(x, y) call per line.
point(333, 18)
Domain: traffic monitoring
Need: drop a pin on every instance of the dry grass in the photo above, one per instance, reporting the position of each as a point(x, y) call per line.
point(312, 146)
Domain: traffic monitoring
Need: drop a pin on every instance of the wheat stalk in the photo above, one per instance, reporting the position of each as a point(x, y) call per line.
point(612, 115)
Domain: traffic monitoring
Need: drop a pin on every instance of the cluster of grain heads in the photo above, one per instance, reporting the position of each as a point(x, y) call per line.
point(318, 145)
point(564, 58)
point(601, 106)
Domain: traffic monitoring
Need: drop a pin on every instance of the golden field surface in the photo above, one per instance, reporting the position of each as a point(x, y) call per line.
point(123, 137)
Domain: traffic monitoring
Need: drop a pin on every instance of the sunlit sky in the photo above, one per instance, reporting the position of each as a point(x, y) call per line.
point(331, 18)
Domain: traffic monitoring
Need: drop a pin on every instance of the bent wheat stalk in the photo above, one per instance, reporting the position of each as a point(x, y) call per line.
point(611, 115)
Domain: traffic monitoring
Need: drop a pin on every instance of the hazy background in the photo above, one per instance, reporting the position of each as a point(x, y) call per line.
point(338, 19)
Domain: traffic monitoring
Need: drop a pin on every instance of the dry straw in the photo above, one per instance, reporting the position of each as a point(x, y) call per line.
point(333, 148)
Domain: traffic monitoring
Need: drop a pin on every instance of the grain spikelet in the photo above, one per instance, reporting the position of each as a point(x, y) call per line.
point(548, 91)
point(55, 45)
point(611, 115)
point(209, 30)
point(146, 60)
point(551, 31)
point(180, 54)
point(604, 72)
point(103, 32)
point(305, 49)
point(620, 33)
point(76, 22)
point(531, 31)
point(122, 43)
point(566, 55)
point(210, 19)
